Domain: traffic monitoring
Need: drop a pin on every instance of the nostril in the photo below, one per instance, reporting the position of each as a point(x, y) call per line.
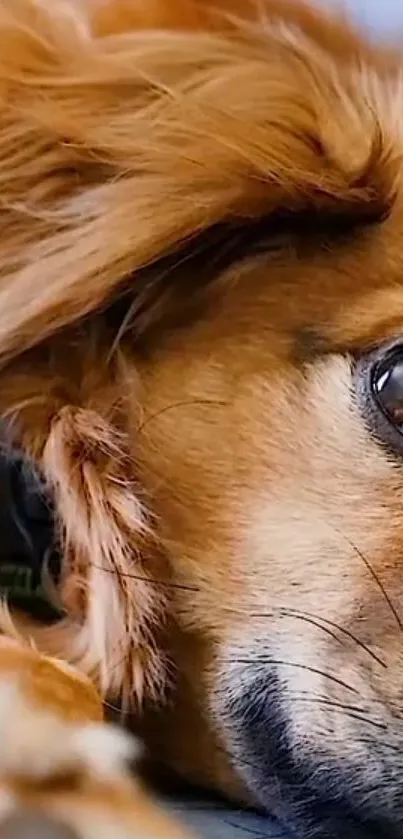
point(30, 825)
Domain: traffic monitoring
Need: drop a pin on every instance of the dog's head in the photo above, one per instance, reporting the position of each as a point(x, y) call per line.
point(202, 234)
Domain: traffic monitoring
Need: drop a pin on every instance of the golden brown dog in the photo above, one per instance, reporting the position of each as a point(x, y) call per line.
point(201, 320)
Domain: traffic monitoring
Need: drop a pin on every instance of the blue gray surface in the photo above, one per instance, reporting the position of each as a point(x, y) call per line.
point(211, 822)
point(383, 17)
point(380, 16)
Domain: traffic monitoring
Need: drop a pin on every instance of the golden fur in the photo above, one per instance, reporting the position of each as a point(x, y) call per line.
point(185, 389)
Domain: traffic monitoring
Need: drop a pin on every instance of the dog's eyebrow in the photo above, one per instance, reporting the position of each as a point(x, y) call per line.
point(308, 344)
point(174, 289)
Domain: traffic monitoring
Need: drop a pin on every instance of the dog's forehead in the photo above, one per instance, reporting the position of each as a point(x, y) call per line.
point(362, 294)
point(329, 296)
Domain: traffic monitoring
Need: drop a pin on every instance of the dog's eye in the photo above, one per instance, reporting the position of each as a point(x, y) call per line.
point(379, 385)
point(387, 387)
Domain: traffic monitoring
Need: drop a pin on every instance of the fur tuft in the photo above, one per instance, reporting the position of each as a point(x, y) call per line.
point(96, 128)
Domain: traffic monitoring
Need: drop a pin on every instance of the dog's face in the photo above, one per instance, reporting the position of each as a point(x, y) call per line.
point(259, 381)
point(273, 446)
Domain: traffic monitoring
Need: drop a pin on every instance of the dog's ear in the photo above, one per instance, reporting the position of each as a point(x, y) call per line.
point(114, 150)
point(112, 589)
point(112, 585)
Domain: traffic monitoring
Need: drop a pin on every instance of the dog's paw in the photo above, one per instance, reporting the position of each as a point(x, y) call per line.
point(64, 774)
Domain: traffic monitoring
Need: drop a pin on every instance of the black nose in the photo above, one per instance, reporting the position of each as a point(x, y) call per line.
point(30, 561)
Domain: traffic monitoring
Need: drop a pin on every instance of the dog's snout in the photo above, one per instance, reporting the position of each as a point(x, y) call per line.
point(298, 776)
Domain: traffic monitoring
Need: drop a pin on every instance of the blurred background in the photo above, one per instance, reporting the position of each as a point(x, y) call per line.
point(383, 16)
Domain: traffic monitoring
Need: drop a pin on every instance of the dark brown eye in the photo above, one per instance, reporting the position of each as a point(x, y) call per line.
point(387, 386)
point(378, 390)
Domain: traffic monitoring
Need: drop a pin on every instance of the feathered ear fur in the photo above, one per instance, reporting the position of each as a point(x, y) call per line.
point(125, 133)
point(110, 552)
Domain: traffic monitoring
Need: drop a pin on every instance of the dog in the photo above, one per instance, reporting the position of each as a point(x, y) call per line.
point(201, 351)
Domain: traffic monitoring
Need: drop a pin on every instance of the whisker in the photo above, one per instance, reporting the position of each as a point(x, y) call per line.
point(311, 619)
point(238, 759)
point(250, 831)
point(292, 613)
point(115, 708)
point(350, 711)
point(279, 663)
point(315, 620)
point(374, 576)
point(340, 629)
point(307, 696)
point(184, 404)
point(144, 579)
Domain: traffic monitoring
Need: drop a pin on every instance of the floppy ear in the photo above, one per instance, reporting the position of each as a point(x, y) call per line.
point(112, 585)
point(113, 582)
point(115, 149)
